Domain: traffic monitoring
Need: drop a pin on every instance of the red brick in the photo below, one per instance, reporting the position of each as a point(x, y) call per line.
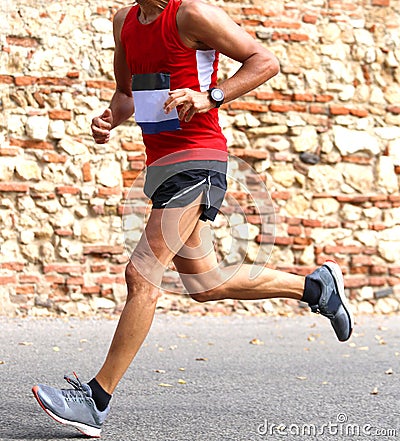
point(378, 197)
point(6, 79)
point(7, 280)
point(90, 290)
point(394, 198)
point(393, 109)
point(303, 97)
point(63, 268)
point(25, 289)
point(283, 240)
point(352, 199)
point(361, 113)
point(8, 151)
point(75, 281)
point(105, 191)
point(55, 280)
point(281, 24)
point(248, 106)
point(323, 98)
point(313, 223)
point(281, 195)
point(73, 74)
point(98, 268)
point(129, 177)
point(305, 241)
point(318, 110)
point(265, 238)
point(341, 249)
point(67, 189)
point(339, 110)
point(28, 278)
point(361, 260)
point(359, 270)
point(22, 41)
point(64, 115)
point(394, 270)
point(293, 221)
point(252, 11)
point(379, 269)
point(377, 281)
point(357, 159)
point(63, 232)
point(132, 146)
point(308, 18)
point(137, 165)
point(355, 282)
point(384, 3)
point(283, 108)
point(31, 144)
point(377, 227)
point(108, 280)
point(294, 231)
point(397, 169)
point(298, 37)
point(269, 96)
point(54, 158)
point(250, 153)
point(117, 269)
point(14, 187)
point(383, 204)
point(87, 172)
point(98, 84)
point(249, 22)
point(55, 81)
point(12, 266)
point(103, 249)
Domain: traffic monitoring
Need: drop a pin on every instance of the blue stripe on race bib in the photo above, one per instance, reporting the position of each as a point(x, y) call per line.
point(149, 99)
point(150, 128)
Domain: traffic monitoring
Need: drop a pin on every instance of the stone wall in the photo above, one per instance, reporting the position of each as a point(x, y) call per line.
point(325, 135)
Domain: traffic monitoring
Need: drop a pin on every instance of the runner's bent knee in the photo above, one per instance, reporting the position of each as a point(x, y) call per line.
point(138, 285)
point(147, 265)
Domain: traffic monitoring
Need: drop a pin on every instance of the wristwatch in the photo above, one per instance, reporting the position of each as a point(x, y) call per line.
point(217, 96)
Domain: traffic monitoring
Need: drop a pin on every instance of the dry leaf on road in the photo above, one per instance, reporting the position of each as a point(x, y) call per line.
point(256, 342)
point(374, 391)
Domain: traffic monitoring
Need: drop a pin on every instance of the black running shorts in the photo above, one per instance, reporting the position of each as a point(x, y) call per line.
point(179, 184)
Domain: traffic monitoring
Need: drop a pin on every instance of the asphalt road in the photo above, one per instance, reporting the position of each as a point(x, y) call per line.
point(200, 379)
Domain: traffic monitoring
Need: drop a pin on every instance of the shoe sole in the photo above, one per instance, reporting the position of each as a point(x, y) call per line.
point(92, 432)
point(337, 275)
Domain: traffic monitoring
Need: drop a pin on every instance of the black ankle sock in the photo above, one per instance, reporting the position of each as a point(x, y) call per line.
point(312, 292)
point(99, 395)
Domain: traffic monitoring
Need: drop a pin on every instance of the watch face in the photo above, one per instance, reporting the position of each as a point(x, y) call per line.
point(217, 95)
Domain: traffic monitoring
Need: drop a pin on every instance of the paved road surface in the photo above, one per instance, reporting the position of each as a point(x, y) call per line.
point(300, 379)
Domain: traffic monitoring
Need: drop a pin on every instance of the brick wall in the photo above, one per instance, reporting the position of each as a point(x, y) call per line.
point(324, 134)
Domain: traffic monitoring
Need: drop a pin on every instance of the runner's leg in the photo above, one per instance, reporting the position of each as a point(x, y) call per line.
point(166, 231)
point(198, 267)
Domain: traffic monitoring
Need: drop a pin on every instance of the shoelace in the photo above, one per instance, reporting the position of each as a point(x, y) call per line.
point(78, 392)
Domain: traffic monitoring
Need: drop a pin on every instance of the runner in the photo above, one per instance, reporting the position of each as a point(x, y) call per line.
point(166, 61)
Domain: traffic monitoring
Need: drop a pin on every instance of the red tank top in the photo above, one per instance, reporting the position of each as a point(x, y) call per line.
point(159, 62)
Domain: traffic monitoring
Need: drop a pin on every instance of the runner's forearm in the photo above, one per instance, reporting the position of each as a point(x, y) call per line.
point(255, 71)
point(122, 107)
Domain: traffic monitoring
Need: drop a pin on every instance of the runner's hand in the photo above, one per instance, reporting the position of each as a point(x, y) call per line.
point(190, 102)
point(101, 127)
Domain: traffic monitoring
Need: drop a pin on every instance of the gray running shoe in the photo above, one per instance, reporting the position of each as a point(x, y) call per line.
point(333, 303)
point(74, 407)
